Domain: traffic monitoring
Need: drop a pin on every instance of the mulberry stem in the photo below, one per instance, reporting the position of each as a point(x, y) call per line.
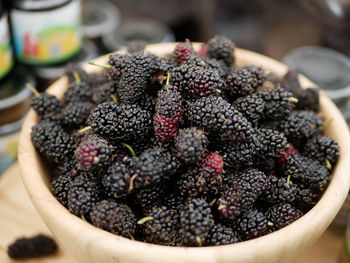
point(104, 66)
point(213, 202)
point(115, 98)
point(131, 184)
point(84, 130)
point(199, 240)
point(145, 219)
point(221, 207)
point(328, 164)
point(167, 79)
point(131, 150)
point(288, 179)
point(77, 77)
point(33, 89)
point(293, 99)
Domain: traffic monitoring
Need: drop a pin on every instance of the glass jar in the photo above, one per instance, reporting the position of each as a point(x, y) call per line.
point(6, 60)
point(46, 32)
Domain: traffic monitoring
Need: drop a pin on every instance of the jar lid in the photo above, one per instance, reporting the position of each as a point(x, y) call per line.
point(38, 5)
point(99, 18)
point(328, 68)
point(138, 29)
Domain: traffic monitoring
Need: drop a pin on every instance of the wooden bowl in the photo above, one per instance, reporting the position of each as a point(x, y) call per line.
point(90, 244)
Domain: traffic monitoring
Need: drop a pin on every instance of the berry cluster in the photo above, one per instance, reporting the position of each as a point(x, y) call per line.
point(185, 150)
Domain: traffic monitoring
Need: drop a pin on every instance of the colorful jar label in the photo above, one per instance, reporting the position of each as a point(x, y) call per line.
point(8, 150)
point(47, 37)
point(6, 60)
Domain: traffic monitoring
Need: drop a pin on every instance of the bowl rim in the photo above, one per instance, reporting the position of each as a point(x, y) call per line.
point(58, 218)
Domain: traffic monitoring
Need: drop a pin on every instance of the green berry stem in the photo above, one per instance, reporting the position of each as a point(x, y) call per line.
point(288, 179)
point(131, 150)
point(167, 79)
point(221, 207)
point(213, 202)
point(199, 241)
point(115, 98)
point(104, 66)
point(270, 224)
point(145, 219)
point(328, 164)
point(217, 91)
point(131, 184)
point(33, 89)
point(293, 99)
point(84, 130)
point(76, 77)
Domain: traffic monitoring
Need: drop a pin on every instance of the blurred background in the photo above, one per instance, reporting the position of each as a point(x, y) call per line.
point(311, 36)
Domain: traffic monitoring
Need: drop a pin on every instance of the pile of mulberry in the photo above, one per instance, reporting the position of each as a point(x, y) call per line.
point(188, 149)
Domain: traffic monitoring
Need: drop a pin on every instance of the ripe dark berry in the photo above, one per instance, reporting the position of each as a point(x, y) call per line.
point(75, 114)
point(282, 215)
point(308, 172)
point(152, 167)
point(116, 180)
point(83, 194)
point(252, 224)
point(221, 48)
point(52, 141)
point(182, 51)
point(252, 107)
point(244, 81)
point(116, 218)
point(255, 178)
point(280, 190)
point(308, 99)
point(190, 145)
point(241, 193)
point(119, 63)
point(33, 247)
point(216, 116)
point(278, 103)
point(222, 235)
point(322, 149)
point(60, 187)
point(301, 125)
point(161, 225)
point(305, 198)
point(235, 199)
point(105, 92)
point(203, 82)
point(239, 155)
point(150, 197)
point(196, 222)
point(46, 105)
point(187, 183)
point(115, 122)
point(272, 142)
point(78, 92)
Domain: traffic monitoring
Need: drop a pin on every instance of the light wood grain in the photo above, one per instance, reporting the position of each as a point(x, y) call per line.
point(90, 244)
point(18, 218)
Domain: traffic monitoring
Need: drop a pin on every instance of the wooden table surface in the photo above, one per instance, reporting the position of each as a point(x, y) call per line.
point(19, 218)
